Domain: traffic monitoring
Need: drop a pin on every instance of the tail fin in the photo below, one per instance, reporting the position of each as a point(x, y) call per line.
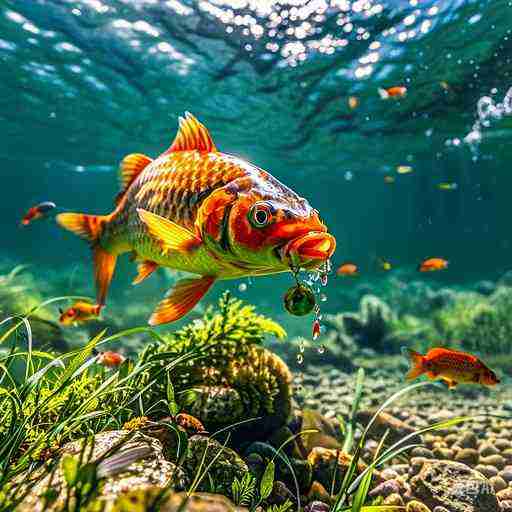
point(90, 228)
point(416, 363)
point(384, 95)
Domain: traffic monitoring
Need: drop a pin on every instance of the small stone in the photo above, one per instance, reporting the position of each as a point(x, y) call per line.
point(487, 471)
point(443, 453)
point(416, 506)
point(389, 474)
point(502, 444)
point(468, 456)
point(505, 494)
point(394, 499)
point(317, 506)
point(498, 483)
point(486, 449)
point(420, 451)
point(468, 440)
point(497, 461)
point(506, 473)
point(440, 509)
point(386, 488)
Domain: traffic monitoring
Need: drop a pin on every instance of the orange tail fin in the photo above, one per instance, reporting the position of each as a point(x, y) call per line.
point(416, 364)
point(90, 228)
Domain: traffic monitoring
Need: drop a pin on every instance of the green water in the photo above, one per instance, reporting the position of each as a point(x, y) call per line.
point(83, 83)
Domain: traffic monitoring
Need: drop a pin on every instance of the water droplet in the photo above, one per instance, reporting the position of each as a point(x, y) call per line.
point(242, 287)
point(320, 349)
point(324, 279)
point(300, 358)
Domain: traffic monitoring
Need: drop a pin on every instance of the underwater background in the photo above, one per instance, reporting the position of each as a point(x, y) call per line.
point(294, 87)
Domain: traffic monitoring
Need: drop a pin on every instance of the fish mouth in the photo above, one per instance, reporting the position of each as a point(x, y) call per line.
point(309, 250)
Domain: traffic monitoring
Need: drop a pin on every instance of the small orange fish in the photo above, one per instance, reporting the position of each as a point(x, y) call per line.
point(347, 269)
point(37, 212)
point(79, 312)
point(353, 102)
point(398, 91)
point(111, 359)
point(451, 366)
point(432, 265)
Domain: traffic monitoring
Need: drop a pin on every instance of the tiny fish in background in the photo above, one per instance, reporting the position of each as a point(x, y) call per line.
point(451, 366)
point(111, 359)
point(404, 169)
point(447, 186)
point(353, 102)
point(316, 330)
point(79, 312)
point(37, 212)
point(384, 264)
point(432, 265)
point(398, 91)
point(347, 269)
point(202, 211)
point(389, 179)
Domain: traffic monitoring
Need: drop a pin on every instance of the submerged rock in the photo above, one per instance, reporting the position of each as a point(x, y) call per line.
point(455, 486)
point(227, 464)
point(136, 461)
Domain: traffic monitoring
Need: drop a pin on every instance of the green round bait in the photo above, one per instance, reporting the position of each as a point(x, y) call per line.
point(299, 300)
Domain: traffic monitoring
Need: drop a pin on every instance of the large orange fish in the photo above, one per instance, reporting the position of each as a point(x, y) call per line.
point(202, 211)
point(451, 366)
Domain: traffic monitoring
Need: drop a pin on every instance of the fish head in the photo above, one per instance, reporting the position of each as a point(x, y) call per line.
point(68, 316)
point(488, 378)
point(265, 228)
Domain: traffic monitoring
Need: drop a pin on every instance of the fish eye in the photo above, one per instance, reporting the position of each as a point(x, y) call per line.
point(260, 215)
point(71, 312)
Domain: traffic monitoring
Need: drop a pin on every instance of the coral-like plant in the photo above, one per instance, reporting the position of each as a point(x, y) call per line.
point(236, 378)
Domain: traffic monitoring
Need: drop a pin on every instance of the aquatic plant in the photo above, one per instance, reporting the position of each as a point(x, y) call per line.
point(236, 379)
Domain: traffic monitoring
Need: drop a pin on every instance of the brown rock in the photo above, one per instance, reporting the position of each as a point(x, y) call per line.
point(498, 483)
point(200, 502)
point(455, 486)
point(497, 461)
point(416, 506)
point(393, 499)
point(468, 456)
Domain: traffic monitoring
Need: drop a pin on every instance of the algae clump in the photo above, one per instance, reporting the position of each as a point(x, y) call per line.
point(235, 378)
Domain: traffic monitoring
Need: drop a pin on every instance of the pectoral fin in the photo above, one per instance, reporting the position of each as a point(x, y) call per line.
point(144, 269)
point(171, 236)
point(181, 299)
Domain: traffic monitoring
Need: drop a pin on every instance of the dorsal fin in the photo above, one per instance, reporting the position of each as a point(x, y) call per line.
point(192, 135)
point(129, 168)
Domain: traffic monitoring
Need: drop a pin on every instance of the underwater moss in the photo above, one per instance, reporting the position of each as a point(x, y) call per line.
point(235, 378)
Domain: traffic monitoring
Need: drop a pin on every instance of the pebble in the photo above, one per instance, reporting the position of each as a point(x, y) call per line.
point(416, 506)
point(505, 494)
point(497, 461)
point(468, 440)
point(394, 499)
point(420, 451)
point(498, 483)
point(468, 456)
point(506, 473)
point(487, 471)
point(487, 449)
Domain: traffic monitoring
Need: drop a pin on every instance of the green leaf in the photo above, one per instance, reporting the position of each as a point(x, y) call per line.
point(171, 399)
point(267, 480)
point(70, 469)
